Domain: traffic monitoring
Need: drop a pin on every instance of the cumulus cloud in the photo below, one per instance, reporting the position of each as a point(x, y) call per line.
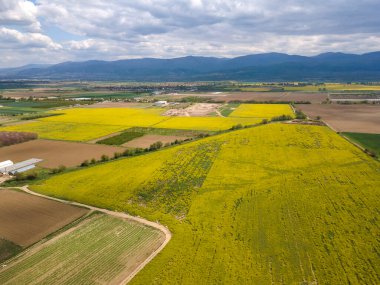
point(20, 13)
point(117, 29)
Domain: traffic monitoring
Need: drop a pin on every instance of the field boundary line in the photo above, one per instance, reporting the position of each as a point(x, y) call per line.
point(162, 228)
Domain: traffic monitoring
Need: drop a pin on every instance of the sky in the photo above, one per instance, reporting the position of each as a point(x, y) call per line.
point(53, 31)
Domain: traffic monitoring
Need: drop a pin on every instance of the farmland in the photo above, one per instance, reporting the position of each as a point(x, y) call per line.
point(27, 222)
point(86, 124)
point(57, 153)
point(361, 118)
point(279, 204)
point(261, 110)
point(102, 250)
point(65, 131)
point(148, 140)
point(367, 141)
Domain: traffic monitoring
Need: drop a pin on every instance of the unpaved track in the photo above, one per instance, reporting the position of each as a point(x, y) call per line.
point(160, 227)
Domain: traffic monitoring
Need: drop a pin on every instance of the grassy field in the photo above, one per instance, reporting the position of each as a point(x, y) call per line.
point(368, 141)
point(121, 138)
point(275, 204)
point(97, 252)
point(261, 110)
point(84, 124)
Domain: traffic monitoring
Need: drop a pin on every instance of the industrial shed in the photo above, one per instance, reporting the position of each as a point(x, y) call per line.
point(8, 167)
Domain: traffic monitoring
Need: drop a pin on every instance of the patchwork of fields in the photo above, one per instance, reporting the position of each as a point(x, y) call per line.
point(101, 250)
point(279, 204)
point(85, 124)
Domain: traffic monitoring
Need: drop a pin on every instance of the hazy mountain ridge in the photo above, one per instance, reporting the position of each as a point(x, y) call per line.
point(258, 67)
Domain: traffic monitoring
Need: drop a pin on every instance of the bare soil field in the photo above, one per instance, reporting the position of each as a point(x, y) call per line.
point(56, 153)
point(108, 104)
point(26, 219)
point(147, 140)
point(196, 110)
point(314, 98)
point(359, 118)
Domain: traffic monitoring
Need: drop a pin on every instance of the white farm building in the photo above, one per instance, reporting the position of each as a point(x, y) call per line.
point(8, 167)
point(160, 103)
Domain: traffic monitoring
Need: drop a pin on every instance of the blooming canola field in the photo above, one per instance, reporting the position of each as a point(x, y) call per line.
point(273, 204)
point(85, 124)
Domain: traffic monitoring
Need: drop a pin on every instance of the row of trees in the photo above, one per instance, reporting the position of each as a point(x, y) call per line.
point(10, 138)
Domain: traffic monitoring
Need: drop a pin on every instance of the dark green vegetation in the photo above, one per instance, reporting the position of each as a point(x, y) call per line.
point(32, 108)
point(137, 132)
point(170, 132)
point(8, 249)
point(121, 138)
point(371, 142)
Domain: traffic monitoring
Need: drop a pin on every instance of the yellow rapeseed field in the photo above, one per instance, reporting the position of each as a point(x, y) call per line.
point(84, 124)
point(65, 131)
point(262, 110)
point(273, 204)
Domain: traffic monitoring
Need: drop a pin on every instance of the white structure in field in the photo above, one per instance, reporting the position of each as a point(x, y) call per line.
point(160, 103)
point(8, 167)
point(4, 165)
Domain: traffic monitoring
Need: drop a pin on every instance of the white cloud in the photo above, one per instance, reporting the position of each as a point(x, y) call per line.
point(20, 13)
point(117, 29)
point(16, 39)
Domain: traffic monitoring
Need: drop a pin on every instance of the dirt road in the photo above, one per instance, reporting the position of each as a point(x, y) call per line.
point(162, 228)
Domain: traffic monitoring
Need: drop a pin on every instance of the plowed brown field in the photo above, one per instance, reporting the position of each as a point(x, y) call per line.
point(26, 219)
point(56, 153)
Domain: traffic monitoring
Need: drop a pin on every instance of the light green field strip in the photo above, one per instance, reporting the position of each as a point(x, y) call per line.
point(97, 252)
point(275, 204)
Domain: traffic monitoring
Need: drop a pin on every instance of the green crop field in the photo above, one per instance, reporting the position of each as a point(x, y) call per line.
point(121, 138)
point(368, 141)
point(274, 204)
point(102, 249)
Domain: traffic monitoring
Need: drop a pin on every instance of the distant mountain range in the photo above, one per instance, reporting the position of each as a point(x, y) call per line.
point(257, 67)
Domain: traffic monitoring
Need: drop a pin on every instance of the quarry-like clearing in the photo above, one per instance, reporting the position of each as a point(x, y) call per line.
point(196, 110)
point(56, 153)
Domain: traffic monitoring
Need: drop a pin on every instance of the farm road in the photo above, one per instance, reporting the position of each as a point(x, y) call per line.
point(160, 227)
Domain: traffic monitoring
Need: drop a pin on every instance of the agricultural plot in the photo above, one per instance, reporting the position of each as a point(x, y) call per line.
point(367, 141)
point(101, 250)
point(147, 140)
point(312, 97)
point(65, 131)
point(86, 124)
point(274, 204)
point(360, 118)
point(120, 138)
point(57, 153)
point(261, 111)
point(26, 219)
